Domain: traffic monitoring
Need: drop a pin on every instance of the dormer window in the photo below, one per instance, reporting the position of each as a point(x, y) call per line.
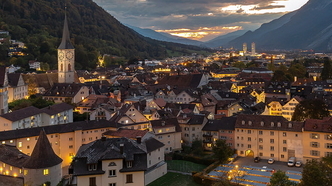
point(92, 167)
point(279, 124)
point(243, 122)
point(112, 164)
point(129, 164)
point(290, 125)
point(272, 124)
point(262, 123)
point(249, 122)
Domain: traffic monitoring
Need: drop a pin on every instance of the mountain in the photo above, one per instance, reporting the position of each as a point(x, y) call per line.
point(38, 23)
point(161, 36)
point(309, 27)
point(224, 39)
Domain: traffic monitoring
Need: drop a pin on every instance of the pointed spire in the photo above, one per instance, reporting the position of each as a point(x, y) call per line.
point(42, 155)
point(65, 43)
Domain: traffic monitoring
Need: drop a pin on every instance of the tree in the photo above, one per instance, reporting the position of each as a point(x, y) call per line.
point(327, 69)
point(280, 178)
point(310, 109)
point(197, 147)
point(222, 151)
point(316, 173)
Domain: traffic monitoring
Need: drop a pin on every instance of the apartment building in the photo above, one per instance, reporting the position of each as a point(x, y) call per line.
point(317, 138)
point(268, 137)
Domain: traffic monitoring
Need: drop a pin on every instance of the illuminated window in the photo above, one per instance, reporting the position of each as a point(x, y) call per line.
point(11, 141)
point(28, 139)
point(46, 172)
point(3, 142)
point(20, 144)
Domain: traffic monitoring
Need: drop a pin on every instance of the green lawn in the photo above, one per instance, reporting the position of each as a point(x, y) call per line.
point(184, 166)
point(172, 179)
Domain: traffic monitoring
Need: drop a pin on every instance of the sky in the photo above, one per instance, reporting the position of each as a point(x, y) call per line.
point(198, 19)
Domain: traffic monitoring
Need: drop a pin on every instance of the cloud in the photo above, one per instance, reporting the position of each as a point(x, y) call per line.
point(195, 14)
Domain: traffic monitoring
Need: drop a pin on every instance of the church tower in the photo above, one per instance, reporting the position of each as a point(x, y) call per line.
point(66, 57)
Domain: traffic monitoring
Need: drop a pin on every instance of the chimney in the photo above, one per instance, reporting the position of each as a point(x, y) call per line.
point(121, 148)
point(103, 138)
point(139, 139)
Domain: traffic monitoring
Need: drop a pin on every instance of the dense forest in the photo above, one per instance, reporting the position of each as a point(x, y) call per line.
point(39, 23)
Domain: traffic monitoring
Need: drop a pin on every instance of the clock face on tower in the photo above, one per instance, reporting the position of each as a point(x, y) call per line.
point(70, 55)
point(61, 55)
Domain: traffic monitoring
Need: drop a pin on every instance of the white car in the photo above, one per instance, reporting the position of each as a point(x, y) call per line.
point(270, 161)
point(298, 164)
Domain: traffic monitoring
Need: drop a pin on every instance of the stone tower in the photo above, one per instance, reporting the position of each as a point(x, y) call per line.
point(66, 57)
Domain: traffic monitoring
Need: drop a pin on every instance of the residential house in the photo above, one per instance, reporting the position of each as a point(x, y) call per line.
point(33, 117)
point(3, 91)
point(222, 129)
point(17, 88)
point(131, 118)
point(61, 113)
point(119, 161)
point(289, 108)
point(90, 103)
point(168, 131)
point(103, 112)
point(67, 92)
point(191, 126)
point(275, 89)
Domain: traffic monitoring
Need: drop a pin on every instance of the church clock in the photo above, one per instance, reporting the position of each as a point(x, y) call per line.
point(61, 55)
point(69, 55)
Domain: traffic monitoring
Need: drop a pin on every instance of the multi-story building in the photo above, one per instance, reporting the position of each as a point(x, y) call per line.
point(275, 108)
point(191, 126)
point(268, 137)
point(65, 139)
point(168, 131)
point(67, 92)
point(219, 129)
point(17, 88)
point(289, 108)
point(119, 161)
point(3, 91)
point(33, 117)
point(317, 138)
point(41, 167)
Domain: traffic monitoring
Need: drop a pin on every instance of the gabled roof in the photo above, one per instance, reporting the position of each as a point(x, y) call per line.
point(224, 123)
point(187, 81)
point(21, 113)
point(64, 89)
point(266, 122)
point(42, 155)
point(319, 125)
point(127, 133)
point(12, 156)
point(110, 148)
point(57, 108)
point(165, 123)
point(2, 76)
point(13, 79)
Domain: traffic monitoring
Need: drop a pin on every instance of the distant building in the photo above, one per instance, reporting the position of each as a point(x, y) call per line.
point(245, 48)
point(3, 91)
point(17, 88)
point(253, 48)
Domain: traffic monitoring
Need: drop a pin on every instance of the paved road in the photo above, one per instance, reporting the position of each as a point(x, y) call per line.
point(277, 165)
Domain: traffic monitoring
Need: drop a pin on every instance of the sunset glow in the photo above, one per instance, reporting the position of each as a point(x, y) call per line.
point(201, 32)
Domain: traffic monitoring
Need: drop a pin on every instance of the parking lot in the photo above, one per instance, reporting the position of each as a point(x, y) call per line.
point(277, 165)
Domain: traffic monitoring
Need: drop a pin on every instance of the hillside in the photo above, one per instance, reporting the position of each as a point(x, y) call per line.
point(165, 36)
point(39, 24)
point(310, 27)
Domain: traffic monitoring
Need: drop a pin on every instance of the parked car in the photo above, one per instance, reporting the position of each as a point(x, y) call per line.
point(257, 159)
point(298, 164)
point(291, 161)
point(270, 161)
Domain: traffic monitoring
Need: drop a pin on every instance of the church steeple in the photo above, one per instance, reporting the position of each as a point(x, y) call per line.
point(66, 57)
point(65, 43)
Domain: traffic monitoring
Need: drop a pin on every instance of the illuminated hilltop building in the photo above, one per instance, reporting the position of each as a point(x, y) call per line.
point(253, 48)
point(245, 48)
